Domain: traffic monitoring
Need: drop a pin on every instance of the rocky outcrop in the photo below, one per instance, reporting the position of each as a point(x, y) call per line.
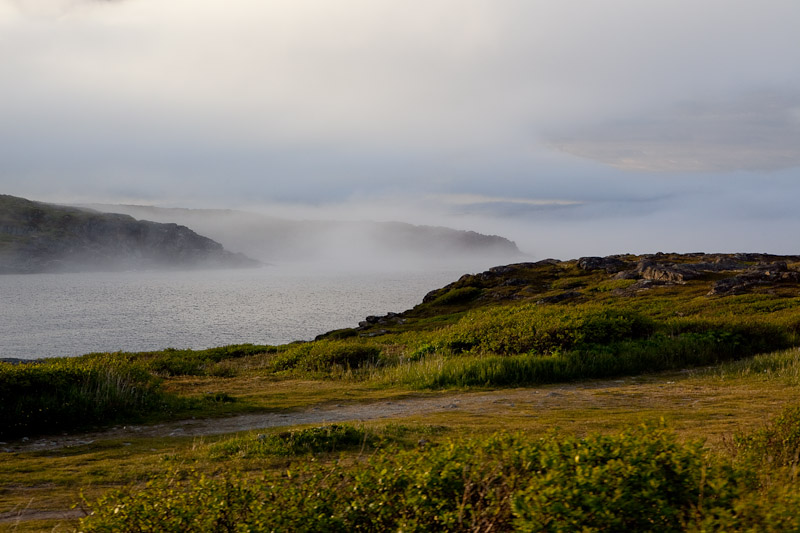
point(610, 264)
point(553, 282)
point(673, 272)
point(667, 272)
point(776, 273)
point(660, 269)
point(513, 277)
point(386, 320)
point(37, 237)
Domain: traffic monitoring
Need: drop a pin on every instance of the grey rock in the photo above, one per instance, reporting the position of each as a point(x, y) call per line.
point(667, 272)
point(610, 264)
point(775, 273)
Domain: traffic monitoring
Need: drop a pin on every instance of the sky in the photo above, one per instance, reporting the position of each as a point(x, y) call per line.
point(574, 127)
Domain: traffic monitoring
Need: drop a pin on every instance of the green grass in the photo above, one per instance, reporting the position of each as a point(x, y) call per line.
point(457, 339)
point(731, 362)
point(322, 439)
point(73, 393)
point(640, 480)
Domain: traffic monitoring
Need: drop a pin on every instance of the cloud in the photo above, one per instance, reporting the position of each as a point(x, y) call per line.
point(54, 8)
point(455, 112)
point(755, 132)
point(473, 199)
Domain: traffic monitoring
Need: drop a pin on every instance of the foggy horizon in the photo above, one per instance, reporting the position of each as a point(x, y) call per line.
point(571, 129)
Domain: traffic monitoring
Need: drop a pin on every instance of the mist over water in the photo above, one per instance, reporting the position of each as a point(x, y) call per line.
point(46, 315)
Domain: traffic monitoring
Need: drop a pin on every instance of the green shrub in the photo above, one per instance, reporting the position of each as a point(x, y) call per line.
point(71, 393)
point(426, 349)
point(324, 355)
point(639, 480)
point(459, 296)
point(542, 329)
point(322, 439)
point(635, 482)
point(778, 443)
point(344, 355)
point(173, 362)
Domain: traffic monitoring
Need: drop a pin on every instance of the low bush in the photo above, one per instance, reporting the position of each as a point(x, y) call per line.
point(587, 361)
point(173, 362)
point(322, 439)
point(541, 329)
point(458, 296)
point(324, 355)
point(778, 443)
point(639, 480)
point(70, 393)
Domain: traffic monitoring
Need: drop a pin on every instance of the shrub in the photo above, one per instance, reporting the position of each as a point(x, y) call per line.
point(322, 439)
point(70, 393)
point(323, 355)
point(640, 480)
point(636, 482)
point(777, 444)
point(542, 330)
point(173, 362)
point(458, 296)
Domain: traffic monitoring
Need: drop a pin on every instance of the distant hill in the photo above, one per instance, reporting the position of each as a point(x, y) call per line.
point(38, 237)
point(277, 240)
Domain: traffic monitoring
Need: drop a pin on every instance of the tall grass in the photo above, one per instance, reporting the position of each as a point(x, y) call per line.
point(585, 361)
point(56, 394)
point(783, 364)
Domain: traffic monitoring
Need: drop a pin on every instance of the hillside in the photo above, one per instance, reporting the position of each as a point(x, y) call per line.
point(274, 239)
point(663, 387)
point(618, 281)
point(38, 237)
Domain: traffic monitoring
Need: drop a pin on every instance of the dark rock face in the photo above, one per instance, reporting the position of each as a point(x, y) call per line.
point(36, 237)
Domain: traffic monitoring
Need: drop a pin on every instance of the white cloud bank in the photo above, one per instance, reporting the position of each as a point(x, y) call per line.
point(496, 105)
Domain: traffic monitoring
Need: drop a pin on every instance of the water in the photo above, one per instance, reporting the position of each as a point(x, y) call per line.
point(47, 315)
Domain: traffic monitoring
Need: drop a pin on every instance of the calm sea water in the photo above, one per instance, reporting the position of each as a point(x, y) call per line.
point(47, 315)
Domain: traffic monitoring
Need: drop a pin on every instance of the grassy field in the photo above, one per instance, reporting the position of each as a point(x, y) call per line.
point(666, 373)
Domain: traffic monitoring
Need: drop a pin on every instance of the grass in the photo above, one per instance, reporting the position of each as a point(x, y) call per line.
point(712, 367)
point(708, 404)
point(71, 393)
point(454, 339)
point(641, 479)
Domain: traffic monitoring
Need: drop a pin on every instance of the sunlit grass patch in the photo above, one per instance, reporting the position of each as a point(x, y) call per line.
point(321, 439)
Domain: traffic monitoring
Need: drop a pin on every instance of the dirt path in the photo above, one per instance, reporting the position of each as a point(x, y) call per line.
point(718, 408)
point(472, 402)
point(712, 409)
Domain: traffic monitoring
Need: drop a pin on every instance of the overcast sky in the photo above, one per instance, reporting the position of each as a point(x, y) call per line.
point(573, 127)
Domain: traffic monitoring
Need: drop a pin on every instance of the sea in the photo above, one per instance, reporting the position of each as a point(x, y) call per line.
point(54, 315)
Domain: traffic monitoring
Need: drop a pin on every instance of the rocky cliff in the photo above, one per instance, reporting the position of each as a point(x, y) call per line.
point(37, 237)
